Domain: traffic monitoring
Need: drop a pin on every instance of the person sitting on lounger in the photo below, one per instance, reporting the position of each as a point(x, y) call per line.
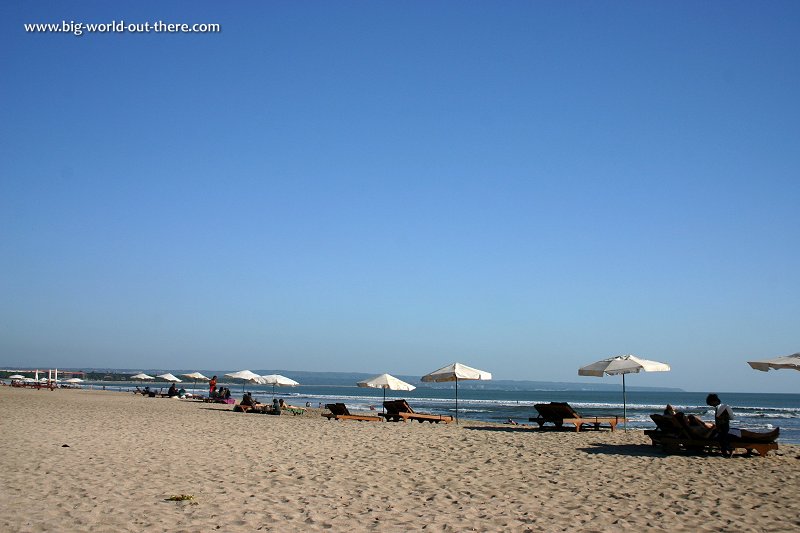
point(695, 427)
point(696, 421)
point(284, 405)
point(173, 391)
point(248, 403)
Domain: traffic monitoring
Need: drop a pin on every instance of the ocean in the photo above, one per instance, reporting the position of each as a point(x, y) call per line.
point(753, 411)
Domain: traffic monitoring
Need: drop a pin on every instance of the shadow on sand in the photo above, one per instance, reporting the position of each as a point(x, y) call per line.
point(640, 450)
point(505, 429)
point(219, 409)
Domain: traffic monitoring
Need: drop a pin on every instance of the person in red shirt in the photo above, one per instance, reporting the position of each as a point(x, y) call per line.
point(212, 386)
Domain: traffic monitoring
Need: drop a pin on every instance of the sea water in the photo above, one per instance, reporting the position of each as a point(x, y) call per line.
point(753, 411)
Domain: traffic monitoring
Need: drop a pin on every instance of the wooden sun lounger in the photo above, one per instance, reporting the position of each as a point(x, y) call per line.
point(397, 410)
point(674, 434)
point(671, 444)
point(338, 411)
point(560, 413)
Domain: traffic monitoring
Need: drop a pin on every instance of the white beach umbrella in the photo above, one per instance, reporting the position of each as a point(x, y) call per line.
point(142, 376)
point(777, 363)
point(73, 380)
point(622, 364)
point(16, 376)
point(455, 372)
point(245, 376)
point(195, 376)
point(169, 377)
point(277, 379)
point(385, 381)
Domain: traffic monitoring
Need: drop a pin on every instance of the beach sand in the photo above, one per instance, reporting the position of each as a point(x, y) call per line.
point(128, 454)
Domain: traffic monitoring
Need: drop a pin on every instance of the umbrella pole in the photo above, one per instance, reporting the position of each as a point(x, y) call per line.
point(383, 407)
point(456, 401)
point(624, 406)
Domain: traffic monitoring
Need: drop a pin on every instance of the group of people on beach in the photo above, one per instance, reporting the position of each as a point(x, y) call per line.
point(278, 405)
point(174, 391)
point(721, 428)
point(217, 393)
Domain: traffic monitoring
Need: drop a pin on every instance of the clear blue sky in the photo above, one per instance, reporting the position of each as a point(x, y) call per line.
point(525, 187)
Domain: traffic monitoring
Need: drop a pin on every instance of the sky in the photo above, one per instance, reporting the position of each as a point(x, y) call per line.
point(523, 187)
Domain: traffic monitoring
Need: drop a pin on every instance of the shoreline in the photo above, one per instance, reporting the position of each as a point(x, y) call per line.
point(127, 454)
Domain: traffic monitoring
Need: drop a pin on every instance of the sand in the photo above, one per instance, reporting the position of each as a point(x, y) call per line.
point(128, 454)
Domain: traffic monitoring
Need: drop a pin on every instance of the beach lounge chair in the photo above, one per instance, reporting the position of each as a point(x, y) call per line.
point(397, 410)
point(338, 411)
point(674, 434)
point(560, 413)
point(665, 425)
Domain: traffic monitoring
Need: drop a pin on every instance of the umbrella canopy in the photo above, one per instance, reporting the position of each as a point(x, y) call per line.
point(277, 379)
point(169, 377)
point(622, 364)
point(456, 372)
point(776, 363)
point(16, 376)
point(73, 380)
point(385, 381)
point(195, 375)
point(245, 376)
point(142, 376)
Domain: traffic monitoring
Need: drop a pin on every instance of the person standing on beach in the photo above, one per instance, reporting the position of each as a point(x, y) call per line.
point(212, 386)
point(722, 422)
